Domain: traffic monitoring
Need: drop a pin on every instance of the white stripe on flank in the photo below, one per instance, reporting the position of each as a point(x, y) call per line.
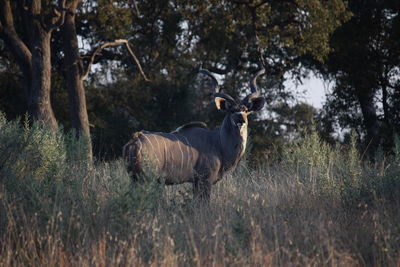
point(165, 155)
point(172, 154)
point(140, 148)
point(165, 148)
point(181, 152)
point(152, 147)
point(188, 152)
point(158, 144)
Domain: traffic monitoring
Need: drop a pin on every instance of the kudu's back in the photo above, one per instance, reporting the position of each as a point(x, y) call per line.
point(175, 157)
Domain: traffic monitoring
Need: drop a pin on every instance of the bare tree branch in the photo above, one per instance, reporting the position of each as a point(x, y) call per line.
point(35, 7)
point(115, 43)
point(58, 16)
point(136, 8)
point(8, 33)
point(261, 3)
point(253, 12)
point(252, 7)
point(250, 3)
point(241, 2)
point(6, 16)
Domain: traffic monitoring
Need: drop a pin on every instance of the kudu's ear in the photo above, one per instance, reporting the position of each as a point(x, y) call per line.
point(256, 104)
point(222, 103)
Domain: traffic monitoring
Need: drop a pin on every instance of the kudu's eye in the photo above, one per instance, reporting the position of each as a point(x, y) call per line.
point(239, 124)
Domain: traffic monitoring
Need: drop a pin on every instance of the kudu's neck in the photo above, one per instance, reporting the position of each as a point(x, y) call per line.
point(233, 142)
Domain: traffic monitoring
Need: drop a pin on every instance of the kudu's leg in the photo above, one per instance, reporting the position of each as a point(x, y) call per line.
point(201, 189)
point(134, 177)
point(134, 173)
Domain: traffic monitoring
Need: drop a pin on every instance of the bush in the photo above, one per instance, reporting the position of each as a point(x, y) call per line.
point(312, 161)
point(30, 152)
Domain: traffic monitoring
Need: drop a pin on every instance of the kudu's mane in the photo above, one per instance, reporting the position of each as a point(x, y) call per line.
point(194, 124)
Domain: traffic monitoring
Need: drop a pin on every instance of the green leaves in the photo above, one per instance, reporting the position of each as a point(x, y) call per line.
point(170, 39)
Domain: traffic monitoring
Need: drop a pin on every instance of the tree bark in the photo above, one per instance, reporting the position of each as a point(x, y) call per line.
point(18, 48)
point(34, 57)
point(39, 103)
point(371, 122)
point(73, 73)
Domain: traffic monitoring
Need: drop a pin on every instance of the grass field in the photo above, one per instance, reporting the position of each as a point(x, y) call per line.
point(316, 206)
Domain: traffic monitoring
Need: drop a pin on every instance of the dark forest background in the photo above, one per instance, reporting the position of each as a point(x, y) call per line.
point(47, 49)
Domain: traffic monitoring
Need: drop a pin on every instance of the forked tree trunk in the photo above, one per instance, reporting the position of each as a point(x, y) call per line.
point(33, 54)
point(34, 58)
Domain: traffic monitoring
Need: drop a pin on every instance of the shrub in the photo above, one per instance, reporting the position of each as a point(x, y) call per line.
point(312, 162)
point(30, 152)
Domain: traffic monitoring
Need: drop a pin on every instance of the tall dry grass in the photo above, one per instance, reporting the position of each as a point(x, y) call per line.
point(318, 206)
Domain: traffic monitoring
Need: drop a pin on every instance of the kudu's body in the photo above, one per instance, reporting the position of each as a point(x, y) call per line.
point(193, 153)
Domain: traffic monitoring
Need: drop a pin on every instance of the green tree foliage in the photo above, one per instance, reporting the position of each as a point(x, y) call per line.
point(171, 39)
point(364, 63)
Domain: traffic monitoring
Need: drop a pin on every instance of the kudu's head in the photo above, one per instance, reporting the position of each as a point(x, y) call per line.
point(237, 111)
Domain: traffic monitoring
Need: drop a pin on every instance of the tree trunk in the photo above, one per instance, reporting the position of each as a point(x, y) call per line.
point(371, 122)
point(39, 103)
point(73, 74)
point(33, 57)
point(17, 47)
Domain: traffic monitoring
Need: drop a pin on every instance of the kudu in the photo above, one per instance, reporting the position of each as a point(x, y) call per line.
point(193, 153)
